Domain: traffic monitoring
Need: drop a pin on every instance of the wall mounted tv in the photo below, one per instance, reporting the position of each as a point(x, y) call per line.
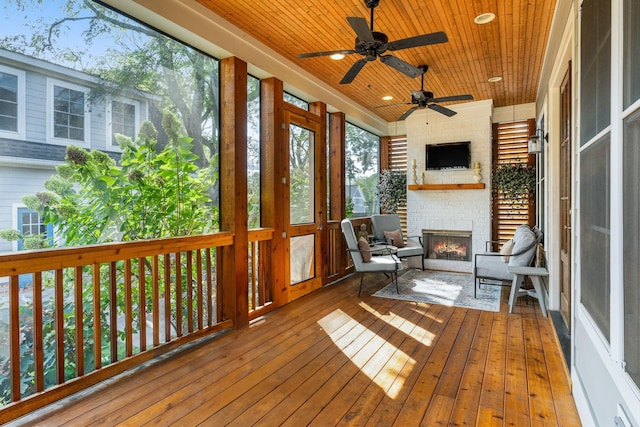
point(453, 155)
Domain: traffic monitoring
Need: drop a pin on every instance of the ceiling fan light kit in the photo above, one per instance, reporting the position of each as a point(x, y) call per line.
point(372, 45)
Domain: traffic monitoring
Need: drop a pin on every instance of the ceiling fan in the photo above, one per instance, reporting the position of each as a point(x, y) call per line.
point(424, 99)
point(373, 44)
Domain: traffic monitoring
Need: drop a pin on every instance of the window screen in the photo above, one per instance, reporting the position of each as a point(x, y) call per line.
point(631, 227)
point(595, 82)
point(595, 231)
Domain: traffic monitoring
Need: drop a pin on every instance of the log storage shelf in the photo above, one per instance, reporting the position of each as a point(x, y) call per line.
point(474, 186)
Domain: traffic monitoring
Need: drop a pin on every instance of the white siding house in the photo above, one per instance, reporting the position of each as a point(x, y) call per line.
point(44, 108)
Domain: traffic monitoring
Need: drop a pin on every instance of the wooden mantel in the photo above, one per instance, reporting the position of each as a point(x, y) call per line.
point(474, 186)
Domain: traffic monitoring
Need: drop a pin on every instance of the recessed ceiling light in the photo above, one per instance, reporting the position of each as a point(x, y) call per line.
point(484, 18)
point(494, 79)
point(387, 98)
point(337, 56)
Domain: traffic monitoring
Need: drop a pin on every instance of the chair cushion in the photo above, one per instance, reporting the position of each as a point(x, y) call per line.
point(523, 238)
point(382, 263)
point(411, 248)
point(394, 238)
point(380, 223)
point(363, 245)
point(492, 267)
point(507, 249)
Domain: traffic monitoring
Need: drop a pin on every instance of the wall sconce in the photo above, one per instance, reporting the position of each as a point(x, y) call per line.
point(536, 141)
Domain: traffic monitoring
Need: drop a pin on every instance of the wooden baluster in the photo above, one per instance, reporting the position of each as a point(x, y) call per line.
point(14, 344)
point(142, 304)
point(79, 315)
point(38, 351)
point(97, 324)
point(178, 259)
point(113, 312)
point(189, 286)
point(199, 288)
point(59, 325)
point(209, 288)
point(254, 288)
point(128, 309)
point(167, 297)
point(155, 278)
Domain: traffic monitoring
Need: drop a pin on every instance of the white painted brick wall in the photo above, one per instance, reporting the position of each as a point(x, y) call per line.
point(464, 210)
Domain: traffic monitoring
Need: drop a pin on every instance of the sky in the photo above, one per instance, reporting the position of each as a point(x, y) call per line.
point(14, 22)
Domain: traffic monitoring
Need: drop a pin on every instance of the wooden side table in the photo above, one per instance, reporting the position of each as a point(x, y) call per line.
point(537, 275)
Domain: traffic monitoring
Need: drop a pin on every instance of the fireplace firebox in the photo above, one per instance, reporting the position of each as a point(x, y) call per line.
point(447, 245)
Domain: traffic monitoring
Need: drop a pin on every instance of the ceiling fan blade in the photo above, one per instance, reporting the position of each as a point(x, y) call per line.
point(423, 40)
point(407, 113)
point(328, 53)
point(361, 28)
point(454, 98)
point(402, 66)
point(353, 71)
point(442, 110)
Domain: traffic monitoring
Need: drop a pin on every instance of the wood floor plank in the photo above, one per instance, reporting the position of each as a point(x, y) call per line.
point(285, 381)
point(403, 386)
point(491, 407)
point(381, 391)
point(540, 396)
point(558, 375)
point(439, 410)
point(416, 404)
point(167, 372)
point(332, 358)
point(358, 353)
point(401, 325)
point(231, 385)
point(210, 370)
point(516, 396)
point(465, 410)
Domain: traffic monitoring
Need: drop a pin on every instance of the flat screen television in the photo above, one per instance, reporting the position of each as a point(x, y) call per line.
point(452, 155)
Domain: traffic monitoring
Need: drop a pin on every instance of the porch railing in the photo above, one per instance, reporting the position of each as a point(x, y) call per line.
point(92, 312)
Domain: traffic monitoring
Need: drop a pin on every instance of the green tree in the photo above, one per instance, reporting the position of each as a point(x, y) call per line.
point(151, 194)
point(138, 59)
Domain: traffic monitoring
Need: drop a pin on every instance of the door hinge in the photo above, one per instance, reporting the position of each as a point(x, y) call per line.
point(284, 234)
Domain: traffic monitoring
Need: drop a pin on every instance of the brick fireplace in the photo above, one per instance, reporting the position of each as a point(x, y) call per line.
point(456, 210)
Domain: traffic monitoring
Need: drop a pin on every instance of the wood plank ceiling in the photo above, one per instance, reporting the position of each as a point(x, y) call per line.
point(512, 46)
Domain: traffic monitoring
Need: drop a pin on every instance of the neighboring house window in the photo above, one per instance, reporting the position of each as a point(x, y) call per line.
point(11, 103)
point(123, 120)
point(69, 122)
point(30, 224)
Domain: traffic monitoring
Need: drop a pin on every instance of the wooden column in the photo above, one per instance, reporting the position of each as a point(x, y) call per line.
point(384, 153)
point(320, 109)
point(337, 181)
point(233, 261)
point(273, 155)
point(337, 199)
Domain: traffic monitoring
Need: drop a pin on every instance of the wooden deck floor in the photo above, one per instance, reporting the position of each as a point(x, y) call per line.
point(332, 358)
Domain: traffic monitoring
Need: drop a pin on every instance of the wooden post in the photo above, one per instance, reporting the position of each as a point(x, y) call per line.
point(233, 260)
point(273, 169)
point(337, 197)
point(320, 172)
